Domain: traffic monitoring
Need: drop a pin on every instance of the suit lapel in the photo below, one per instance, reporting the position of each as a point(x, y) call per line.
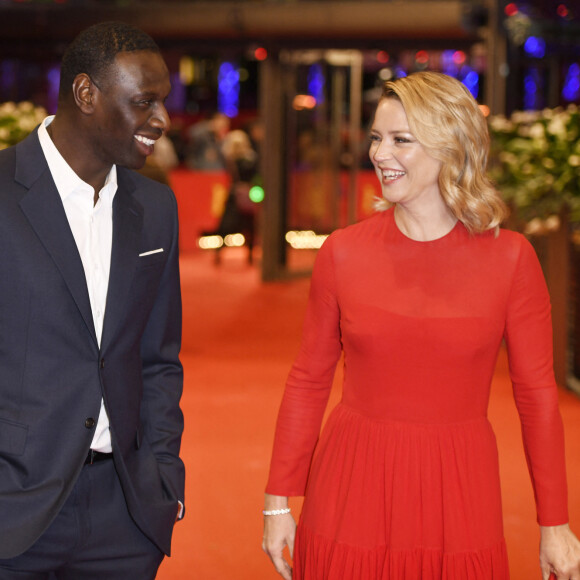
point(43, 208)
point(127, 226)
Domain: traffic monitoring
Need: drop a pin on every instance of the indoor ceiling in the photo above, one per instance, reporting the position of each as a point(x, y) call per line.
point(26, 23)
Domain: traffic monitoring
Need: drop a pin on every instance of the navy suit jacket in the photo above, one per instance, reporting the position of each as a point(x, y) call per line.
point(53, 373)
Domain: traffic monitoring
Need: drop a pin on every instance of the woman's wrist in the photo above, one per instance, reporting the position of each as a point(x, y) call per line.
point(552, 529)
point(275, 502)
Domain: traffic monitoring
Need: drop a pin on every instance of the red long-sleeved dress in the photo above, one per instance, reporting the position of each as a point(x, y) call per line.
point(403, 482)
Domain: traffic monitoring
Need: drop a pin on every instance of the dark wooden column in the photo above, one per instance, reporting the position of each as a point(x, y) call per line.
point(557, 271)
point(272, 111)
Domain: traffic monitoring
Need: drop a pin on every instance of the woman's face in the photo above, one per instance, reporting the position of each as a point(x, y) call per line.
point(407, 173)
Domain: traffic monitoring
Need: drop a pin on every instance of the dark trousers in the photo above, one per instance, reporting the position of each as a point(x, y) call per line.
point(92, 538)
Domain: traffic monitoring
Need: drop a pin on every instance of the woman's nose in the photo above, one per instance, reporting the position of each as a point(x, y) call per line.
point(383, 151)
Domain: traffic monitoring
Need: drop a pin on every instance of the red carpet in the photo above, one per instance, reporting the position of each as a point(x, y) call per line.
point(240, 337)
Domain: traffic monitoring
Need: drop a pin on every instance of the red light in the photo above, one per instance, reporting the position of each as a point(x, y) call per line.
point(422, 57)
point(260, 53)
point(459, 57)
point(383, 56)
point(511, 9)
point(562, 10)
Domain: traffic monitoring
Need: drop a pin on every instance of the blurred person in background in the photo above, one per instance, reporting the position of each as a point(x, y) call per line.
point(240, 211)
point(205, 140)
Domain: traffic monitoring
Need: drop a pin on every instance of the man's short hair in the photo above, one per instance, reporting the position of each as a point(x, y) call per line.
point(95, 49)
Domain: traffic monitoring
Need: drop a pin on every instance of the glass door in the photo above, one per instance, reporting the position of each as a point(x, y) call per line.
point(312, 110)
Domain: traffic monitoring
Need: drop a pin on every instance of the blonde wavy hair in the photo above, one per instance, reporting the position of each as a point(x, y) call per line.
point(448, 123)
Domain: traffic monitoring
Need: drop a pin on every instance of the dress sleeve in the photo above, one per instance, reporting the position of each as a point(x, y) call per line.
point(309, 382)
point(528, 336)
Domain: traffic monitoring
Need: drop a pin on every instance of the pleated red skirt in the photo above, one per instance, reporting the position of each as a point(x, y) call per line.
point(402, 501)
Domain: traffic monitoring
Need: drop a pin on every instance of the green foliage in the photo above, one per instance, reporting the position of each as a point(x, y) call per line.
point(535, 162)
point(17, 120)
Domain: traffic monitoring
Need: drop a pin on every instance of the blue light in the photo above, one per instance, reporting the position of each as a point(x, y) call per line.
point(228, 89)
point(532, 90)
point(535, 47)
point(448, 64)
point(316, 82)
point(177, 98)
point(571, 89)
point(471, 80)
point(53, 83)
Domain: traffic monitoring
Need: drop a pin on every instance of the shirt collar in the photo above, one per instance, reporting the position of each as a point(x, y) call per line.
point(65, 179)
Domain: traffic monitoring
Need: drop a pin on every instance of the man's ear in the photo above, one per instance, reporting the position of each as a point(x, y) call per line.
point(83, 90)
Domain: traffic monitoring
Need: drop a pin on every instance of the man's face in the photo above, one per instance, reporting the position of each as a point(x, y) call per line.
point(129, 114)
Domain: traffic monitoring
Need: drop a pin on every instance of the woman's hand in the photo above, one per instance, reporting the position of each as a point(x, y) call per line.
point(279, 532)
point(559, 553)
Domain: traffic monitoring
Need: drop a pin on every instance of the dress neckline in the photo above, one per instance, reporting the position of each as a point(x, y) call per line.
point(403, 236)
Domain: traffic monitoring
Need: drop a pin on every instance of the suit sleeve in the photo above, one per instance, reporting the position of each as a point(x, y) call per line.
point(529, 342)
point(163, 373)
point(309, 382)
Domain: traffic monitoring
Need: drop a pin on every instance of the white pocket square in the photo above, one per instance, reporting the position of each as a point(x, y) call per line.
point(151, 252)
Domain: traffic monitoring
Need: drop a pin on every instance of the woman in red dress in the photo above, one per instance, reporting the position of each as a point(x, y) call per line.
point(403, 482)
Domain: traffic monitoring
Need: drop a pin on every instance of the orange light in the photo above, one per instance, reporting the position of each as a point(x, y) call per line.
point(302, 102)
point(260, 53)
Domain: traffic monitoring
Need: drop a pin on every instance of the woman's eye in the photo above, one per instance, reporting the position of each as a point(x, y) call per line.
point(374, 138)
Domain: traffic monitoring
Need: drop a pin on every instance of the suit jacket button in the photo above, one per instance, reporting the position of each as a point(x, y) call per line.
point(90, 423)
point(102, 365)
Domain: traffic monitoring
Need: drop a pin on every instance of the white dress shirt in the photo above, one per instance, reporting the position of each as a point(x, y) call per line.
point(92, 228)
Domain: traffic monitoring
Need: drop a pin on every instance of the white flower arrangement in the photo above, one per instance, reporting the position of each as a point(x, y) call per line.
point(17, 120)
point(535, 163)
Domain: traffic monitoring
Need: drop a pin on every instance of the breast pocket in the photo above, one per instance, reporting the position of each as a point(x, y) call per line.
point(154, 258)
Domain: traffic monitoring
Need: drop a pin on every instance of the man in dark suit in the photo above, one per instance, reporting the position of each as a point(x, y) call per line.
point(91, 482)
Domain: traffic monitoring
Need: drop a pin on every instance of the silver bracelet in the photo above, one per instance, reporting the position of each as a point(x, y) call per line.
point(276, 512)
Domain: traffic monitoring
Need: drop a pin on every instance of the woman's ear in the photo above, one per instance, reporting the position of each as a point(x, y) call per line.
point(83, 90)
